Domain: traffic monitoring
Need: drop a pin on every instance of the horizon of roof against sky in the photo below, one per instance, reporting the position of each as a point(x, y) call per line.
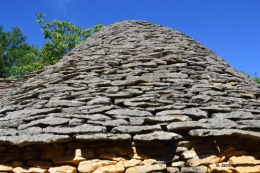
point(229, 28)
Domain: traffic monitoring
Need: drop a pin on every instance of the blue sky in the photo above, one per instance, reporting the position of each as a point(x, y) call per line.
point(230, 28)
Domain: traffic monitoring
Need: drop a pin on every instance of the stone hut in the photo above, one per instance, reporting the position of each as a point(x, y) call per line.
point(135, 97)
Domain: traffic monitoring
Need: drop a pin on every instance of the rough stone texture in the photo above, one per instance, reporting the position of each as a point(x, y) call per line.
point(132, 83)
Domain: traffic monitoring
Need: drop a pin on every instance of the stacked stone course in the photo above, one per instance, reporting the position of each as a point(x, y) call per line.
point(133, 98)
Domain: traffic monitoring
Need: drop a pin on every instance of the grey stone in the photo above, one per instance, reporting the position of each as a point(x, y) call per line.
point(185, 125)
point(76, 122)
point(193, 112)
point(23, 140)
point(135, 129)
point(196, 113)
point(167, 118)
point(112, 90)
point(173, 170)
point(200, 98)
point(11, 123)
point(215, 123)
point(249, 123)
point(47, 121)
point(136, 120)
point(99, 100)
point(86, 128)
point(118, 122)
point(96, 110)
point(68, 103)
point(225, 132)
point(31, 131)
point(170, 112)
point(7, 109)
point(135, 79)
point(234, 115)
point(94, 117)
point(30, 112)
point(101, 136)
point(159, 135)
point(8, 132)
point(128, 112)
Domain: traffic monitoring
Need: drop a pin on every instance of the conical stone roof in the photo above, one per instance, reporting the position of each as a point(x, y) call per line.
point(132, 80)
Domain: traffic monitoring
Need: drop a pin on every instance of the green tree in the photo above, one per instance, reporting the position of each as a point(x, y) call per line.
point(18, 58)
point(255, 78)
point(14, 52)
point(60, 37)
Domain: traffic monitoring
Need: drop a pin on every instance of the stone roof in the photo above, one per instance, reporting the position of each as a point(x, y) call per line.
point(132, 80)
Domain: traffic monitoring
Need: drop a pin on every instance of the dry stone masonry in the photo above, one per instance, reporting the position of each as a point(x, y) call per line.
point(133, 98)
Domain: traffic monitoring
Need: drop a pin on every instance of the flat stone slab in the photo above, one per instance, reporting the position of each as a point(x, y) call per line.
point(85, 128)
point(101, 136)
point(161, 135)
point(33, 139)
point(128, 112)
point(225, 132)
point(135, 129)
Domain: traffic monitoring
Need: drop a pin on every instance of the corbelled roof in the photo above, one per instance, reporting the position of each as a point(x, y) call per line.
point(132, 80)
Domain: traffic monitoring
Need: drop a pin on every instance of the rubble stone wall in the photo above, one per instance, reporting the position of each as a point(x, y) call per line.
point(211, 154)
point(120, 101)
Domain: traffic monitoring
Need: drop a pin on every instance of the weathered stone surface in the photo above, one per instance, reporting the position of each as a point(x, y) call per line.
point(67, 103)
point(29, 112)
point(234, 115)
point(146, 168)
point(225, 132)
point(29, 170)
point(118, 168)
point(63, 169)
point(249, 123)
point(199, 169)
point(204, 160)
point(28, 139)
point(135, 129)
point(158, 136)
point(85, 128)
point(6, 168)
point(118, 122)
point(178, 164)
point(193, 112)
point(129, 112)
point(100, 136)
point(188, 154)
point(173, 170)
point(92, 165)
point(239, 161)
point(47, 121)
point(99, 100)
point(167, 118)
point(132, 163)
point(131, 97)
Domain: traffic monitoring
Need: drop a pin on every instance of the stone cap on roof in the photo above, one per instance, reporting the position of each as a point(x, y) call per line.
point(133, 80)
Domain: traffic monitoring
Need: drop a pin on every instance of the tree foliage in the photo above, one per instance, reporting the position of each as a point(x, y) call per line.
point(14, 52)
point(18, 58)
point(60, 37)
point(255, 78)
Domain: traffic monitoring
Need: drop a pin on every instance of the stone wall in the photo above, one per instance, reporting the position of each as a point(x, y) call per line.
point(129, 83)
point(223, 154)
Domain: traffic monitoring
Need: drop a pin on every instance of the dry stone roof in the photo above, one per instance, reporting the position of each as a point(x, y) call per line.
point(132, 80)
